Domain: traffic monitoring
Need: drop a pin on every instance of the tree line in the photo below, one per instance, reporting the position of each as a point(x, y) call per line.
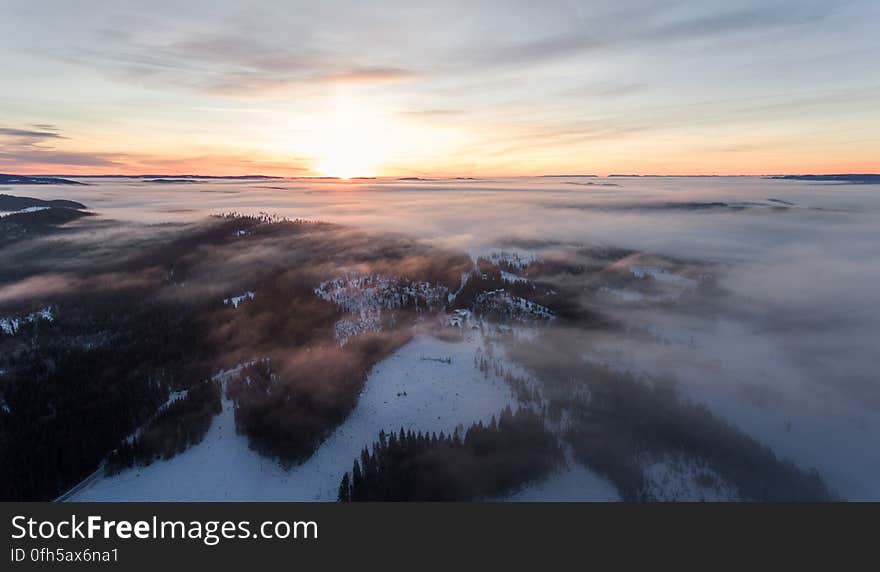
point(488, 461)
point(179, 425)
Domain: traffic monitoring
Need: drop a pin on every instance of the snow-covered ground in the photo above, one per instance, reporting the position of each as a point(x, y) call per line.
point(365, 297)
point(515, 259)
point(11, 324)
point(680, 479)
point(512, 278)
point(24, 210)
point(355, 292)
point(512, 307)
point(366, 320)
point(574, 483)
point(426, 385)
point(236, 300)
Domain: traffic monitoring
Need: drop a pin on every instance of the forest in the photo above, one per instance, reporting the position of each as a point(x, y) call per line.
point(287, 408)
point(629, 420)
point(489, 461)
point(178, 425)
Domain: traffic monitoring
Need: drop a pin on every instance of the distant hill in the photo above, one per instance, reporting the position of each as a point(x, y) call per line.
point(37, 221)
point(7, 179)
point(567, 176)
point(22, 217)
point(862, 179)
point(157, 176)
point(12, 203)
point(668, 176)
point(166, 181)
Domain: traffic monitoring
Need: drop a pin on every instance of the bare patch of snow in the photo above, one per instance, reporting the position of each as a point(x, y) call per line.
point(175, 395)
point(458, 318)
point(574, 483)
point(236, 300)
point(10, 325)
point(465, 276)
point(366, 320)
point(512, 278)
point(23, 211)
point(677, 478)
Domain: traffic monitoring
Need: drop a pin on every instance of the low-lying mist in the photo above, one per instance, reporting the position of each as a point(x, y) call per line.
point(755, 297)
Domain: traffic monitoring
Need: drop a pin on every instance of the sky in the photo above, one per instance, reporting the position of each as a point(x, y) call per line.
point(349, 88)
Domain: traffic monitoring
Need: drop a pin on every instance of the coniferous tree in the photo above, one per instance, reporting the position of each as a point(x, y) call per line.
point(344, 489)
point(357, 483)
point(489, 461)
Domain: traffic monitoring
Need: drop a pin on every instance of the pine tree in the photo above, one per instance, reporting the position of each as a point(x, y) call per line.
point(357, 483)
point(344, 489)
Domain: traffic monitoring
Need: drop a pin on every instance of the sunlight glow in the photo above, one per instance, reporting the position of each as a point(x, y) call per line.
point(353, 140)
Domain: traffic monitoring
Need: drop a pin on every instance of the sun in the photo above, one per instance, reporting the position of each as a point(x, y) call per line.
point(346, 160)
point(353, 135)
point(352, 139)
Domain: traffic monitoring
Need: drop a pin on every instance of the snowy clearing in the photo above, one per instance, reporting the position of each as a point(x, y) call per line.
point(405, 390)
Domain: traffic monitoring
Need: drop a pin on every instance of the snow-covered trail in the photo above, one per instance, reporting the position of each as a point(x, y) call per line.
point(414, 388)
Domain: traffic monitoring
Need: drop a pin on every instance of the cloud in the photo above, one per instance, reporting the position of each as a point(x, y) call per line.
point(31, 151)
point(760, 17)
point(233, 63)
point(40, 156)
point(30, 134)
point(261, 84)
point(640, 25)
point(372, 75)
point(541, 50)
point(33, 147)
point(432, 112)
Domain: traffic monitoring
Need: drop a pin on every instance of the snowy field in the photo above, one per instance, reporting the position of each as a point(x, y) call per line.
point(414, 388)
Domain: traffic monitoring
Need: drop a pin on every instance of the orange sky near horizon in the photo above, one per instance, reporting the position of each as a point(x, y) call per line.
point(340, 89)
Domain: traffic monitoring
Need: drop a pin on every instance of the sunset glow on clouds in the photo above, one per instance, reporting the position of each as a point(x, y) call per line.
point(452, 88)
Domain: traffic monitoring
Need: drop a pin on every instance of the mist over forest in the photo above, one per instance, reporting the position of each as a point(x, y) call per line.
point(661, 339)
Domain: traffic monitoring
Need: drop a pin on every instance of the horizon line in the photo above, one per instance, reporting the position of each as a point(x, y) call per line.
point(433, 177)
